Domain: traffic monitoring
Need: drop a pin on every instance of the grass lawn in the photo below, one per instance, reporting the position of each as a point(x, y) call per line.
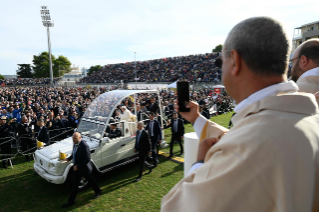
point(20, 190)
point(221, 119)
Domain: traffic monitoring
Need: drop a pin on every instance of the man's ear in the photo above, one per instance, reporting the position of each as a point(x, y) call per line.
point(235, 60)
point(303, 61)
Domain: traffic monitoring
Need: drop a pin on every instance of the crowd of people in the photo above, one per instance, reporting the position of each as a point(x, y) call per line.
point(194, 68)
point(60, 110)
point(29, 81)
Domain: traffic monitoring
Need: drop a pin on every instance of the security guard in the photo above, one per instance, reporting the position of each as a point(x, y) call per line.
point(114, 131)
point(6, 131)
point(25, 135)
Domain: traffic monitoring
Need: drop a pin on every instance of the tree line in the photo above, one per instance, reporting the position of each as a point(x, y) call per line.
point(41, 67)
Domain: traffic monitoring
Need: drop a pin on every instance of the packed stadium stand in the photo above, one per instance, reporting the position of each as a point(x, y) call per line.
point(194, 68)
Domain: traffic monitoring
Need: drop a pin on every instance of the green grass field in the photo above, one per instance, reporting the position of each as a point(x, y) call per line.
point(20, 190)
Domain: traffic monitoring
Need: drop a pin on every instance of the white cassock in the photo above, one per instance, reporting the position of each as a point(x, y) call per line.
point(269, 160)
point(126, 116)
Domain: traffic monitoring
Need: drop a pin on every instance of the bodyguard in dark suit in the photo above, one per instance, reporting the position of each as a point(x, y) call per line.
point(6, 131)
point(154, 130)
point(205, 112)
point(143, 147)
point(81, 158)
point(153, 106)
point(114, 131)
point(43, 133)
point(25, 136)
point(178, 130)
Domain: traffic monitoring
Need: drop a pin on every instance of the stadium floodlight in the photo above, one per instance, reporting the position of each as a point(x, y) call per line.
point(46, 20)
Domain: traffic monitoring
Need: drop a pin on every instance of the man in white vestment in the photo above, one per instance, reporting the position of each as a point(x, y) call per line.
point(269, 160)
point(126, 114)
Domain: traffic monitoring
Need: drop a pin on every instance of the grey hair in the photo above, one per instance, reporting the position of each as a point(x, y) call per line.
point(262, 43)
point(141, 122)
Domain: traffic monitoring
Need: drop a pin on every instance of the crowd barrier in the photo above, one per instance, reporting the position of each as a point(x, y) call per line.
point(33, 148)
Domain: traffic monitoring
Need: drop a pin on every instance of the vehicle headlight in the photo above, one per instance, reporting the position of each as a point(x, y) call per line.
point(52, 166)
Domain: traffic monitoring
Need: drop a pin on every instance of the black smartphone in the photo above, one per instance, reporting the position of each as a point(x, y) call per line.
point(183, 95)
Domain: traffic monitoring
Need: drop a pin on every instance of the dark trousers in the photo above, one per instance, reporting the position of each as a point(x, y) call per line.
point(77, 175)
point(142, 156)
point(175, 137)
point(26, 144)
point(154, 142)
point(5, 148)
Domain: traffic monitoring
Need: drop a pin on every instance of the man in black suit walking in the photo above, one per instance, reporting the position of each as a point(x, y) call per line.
point(43, 133)
point(178, 130)
point(82, 167)
point(143, 147)
point(154, 130)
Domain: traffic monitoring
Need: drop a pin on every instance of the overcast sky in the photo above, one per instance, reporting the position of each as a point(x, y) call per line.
point(99, 32)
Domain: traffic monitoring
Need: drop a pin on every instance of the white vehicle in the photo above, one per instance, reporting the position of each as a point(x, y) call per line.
point(106, 154)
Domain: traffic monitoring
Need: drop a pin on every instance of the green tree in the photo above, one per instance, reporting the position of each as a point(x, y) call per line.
point(1, 77)
point(61, 66)
point(25, 71)
point(41, 66)
point(218, 48)
point(94, 68)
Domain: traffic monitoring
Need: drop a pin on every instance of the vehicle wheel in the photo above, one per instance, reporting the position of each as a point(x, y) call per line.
point(82, 185)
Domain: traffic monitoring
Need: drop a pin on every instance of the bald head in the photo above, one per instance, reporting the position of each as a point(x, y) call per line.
point(76, 138)
point(305, 58)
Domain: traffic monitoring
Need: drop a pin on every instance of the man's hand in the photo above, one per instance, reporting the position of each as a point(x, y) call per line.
point(65, 159)
point(75, 168)
point(149, 153)
point(182, 137)
point(192, 115)
point(135, 150)
point(160, 141)
point(204, 146)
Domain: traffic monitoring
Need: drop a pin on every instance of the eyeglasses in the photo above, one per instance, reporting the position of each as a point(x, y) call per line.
point(292, 60)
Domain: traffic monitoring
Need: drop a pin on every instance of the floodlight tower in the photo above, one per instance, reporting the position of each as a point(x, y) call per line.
point(46, 20)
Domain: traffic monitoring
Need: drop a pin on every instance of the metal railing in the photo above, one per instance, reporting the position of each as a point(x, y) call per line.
point(30, 151)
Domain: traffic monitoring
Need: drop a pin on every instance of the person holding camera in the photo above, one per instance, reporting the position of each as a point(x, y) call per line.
point(269, 160)
point(6, 133)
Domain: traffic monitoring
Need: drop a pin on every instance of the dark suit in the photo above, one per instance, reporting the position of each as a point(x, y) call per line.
point(6, 131)
point(115, 133)
point(82, 159)
point(157, 135)
point(44, 136)
point(143, 146)
point(205, 113)
point(153, 107)
point(177, 133)
point(25, 136)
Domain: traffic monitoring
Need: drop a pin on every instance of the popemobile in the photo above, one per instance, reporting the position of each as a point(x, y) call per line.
point(106, 153)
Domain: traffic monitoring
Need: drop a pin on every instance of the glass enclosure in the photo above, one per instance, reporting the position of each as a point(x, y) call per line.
point(97, 115)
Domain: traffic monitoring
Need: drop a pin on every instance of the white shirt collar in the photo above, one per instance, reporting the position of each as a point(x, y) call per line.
point(265, 92)
point(311, 72)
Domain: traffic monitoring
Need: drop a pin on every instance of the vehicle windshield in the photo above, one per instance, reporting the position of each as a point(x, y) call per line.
point(102, 107)
point(98, 113)
point(91, 128)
